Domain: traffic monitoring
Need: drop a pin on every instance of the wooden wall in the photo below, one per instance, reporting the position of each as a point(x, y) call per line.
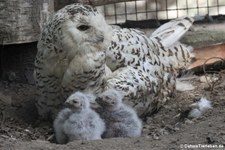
point(21, 20)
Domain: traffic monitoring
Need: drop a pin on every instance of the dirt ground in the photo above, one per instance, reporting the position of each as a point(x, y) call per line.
point(169, 128)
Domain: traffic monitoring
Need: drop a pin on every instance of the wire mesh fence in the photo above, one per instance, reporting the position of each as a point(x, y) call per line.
point(160, 9)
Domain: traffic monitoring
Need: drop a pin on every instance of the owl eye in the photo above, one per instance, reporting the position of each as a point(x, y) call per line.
point(83, 27)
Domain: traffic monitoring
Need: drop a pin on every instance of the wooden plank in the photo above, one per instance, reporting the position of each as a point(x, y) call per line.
point(208, 55)
point(21, 21)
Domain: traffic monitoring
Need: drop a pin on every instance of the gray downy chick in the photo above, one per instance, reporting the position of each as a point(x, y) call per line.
point(78, 121)
point(121, 120)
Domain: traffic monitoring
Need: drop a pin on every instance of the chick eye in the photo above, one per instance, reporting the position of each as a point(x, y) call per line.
point(83, 27)
point(75, 102)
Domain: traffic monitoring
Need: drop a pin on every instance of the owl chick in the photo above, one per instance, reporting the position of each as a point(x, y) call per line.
point(121, 120)
point(78, 121)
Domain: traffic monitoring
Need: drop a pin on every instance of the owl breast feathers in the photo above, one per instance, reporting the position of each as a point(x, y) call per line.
point(79, 51)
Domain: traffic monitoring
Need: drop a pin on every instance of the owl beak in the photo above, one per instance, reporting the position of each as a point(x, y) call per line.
point(101, 39)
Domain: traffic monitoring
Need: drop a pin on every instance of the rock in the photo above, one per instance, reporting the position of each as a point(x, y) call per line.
point(6, 99)
point(223, 137)
point(29, 77)
point(155, 137)
point(204, 79)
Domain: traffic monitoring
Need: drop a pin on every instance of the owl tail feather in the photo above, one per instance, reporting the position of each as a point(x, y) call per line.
point(165, 43)
point(171, 32)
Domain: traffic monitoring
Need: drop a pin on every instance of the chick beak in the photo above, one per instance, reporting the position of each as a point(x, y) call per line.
point(66, 104)
point(98, 99)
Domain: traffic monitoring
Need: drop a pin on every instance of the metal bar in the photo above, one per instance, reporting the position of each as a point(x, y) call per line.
point(126, 10)
point(167, 15)
point(187, 6)
point(146, 8)
point(156, 9)
point(208, 6)
point(104, 10)
point(115, 12)
point(135, 3)
point(197, 7)
point(218, 7)
point(177, 9)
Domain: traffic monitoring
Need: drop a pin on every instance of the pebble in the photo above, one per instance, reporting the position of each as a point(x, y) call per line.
point(155, 137)
point(6, 99)
point(203, 79)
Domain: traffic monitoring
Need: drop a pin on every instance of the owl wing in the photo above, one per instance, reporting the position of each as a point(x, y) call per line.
point(129, 47)
point(146, 67)
point(50, 66)
point(137, 71)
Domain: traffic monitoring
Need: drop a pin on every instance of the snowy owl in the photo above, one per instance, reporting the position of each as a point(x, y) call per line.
point(79, 51)
point(78, 121)
point(120, 119)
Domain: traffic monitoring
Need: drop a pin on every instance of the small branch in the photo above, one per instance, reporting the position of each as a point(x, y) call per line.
point(61, 3)
point(211, 85)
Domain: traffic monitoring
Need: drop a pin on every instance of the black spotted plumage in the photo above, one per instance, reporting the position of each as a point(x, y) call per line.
point(102, 57)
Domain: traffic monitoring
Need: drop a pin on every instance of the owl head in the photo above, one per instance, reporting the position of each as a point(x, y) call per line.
point(79, 101)
point(110, 99)
point(76, 29)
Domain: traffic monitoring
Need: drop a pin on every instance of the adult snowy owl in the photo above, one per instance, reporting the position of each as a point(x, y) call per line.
point(79, 51)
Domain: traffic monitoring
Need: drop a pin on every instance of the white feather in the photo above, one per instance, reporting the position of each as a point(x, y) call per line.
point(184, 86)
point(195, 113)
point(202, 106)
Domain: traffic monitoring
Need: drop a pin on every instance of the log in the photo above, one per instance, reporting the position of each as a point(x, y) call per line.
point(61, 3)
point(21, 21)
